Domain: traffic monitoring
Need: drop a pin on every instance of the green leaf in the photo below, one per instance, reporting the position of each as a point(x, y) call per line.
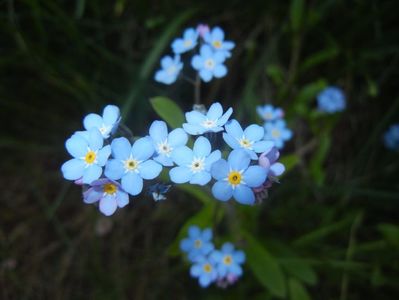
point(289, 161)
point(319, 57)
point(168, 110)
point(297, 290)
point(265, 267)
point(299, 268)
point(275, 73)
point(296, 14)
point(391, 233)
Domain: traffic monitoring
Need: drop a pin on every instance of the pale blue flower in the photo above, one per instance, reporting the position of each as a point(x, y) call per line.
point(236, 178)
point(188, 42)
point(198, 242)
point(331, 99)
point(277, 132)
point(194, 165)
point(209, 63)
point(89, 156)
point(228, 261)
point(215, 38)
point(249, 139)
point(131, 164)
point(391, 137)
point(107, 124)
point(171, 68)
point(204, 269)
point(213, 121)
point(165, 143)
point(269, 113)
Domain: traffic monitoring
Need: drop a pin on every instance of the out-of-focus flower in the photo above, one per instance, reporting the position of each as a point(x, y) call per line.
point(277, 132)
point(171, 67)
point(269, 113)
point(198, 243)
point(391, 137)
point(215, 38)
point(331, 99)
point(204, 269)
point(209, 63)
point(188, 42)
point(202, 29)
point(106, 124)
point(228, 260)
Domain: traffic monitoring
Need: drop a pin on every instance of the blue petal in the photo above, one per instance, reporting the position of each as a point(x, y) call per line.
point(108, 205)
point(205, 280)
point(286, 134)
point(263, 146)
point(122, 198)
point(231, 141)
point(180, 174)
point(206, 51)
point(194, 232)
point(277, 169)
point(76, 146)
point(132, 183)
point(91, 173)
point(228, 45)
point(239, 257)
point(186, 245)
point(195, 117)
point(103, 154)
point(150, 169)
point(220, 169)
point(158, 131)
point(121, 148)
point(213, 157)
point(222, 270)
point(217, 34)
point(195, 270)
point(219, 58)
point(215, 111)
point(164, 160)
point(207, 234)
point(143, 149)
point(166, 62)
point(236, 269)
point(178, 46)
point(197, 62)
point(225, 117)
point(177, 137)
point(92, 121)
point(254, 132)
point(202, 147)
point(239, 159)
point(182, 156)
point(200, 178)
point(220, 71)
point(73, 169)
point(92, 195)
point(205, 75)
point(244, 195)
point(234, 129)
point(95, 139)
point(193, 129)
point(222, 191)
point(114, 169)
point(227, 248)
point(111, 114)
point(255, 176)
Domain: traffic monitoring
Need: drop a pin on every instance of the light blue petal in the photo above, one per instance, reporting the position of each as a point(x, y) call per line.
point(227, 248)
point(202, 147)
point(207, 248)
point(263, 146)
point(182, 156)
point(111, 114)
point(219, 58)
point(121, 148)
point(228, 45)
point(217, 34)
point(206, 51)
point(205, 75)
point(195, 270)
point(239, 257)
point(122, 198)
point(158, 131)
point(197, 62)
point(231, 141)
point(108, 205)
point(143, 149)
point(236, 270)
point(239, 159)
point(213, 157)
point(194, 232)
point(254, 132)
point(177, 137)
point(277, 169)
point(207, 234)
point(92, 195)
point(286, 134)
point(234, 129)
point(132, 183)
point(220, 71)
point(92, 121)
point(149, 169)
point(251, 154)
point(200, 178)
point(186, 245)
point(205, 280)
point(225, 117)
point(180, 174)
point(215, 111)
point(222, 191)
point(114, 169)
point(222, 270)
point(164, 160)
point(255, 176)
point(220, 169)
point(76, 146)
point(178, 46)
point(73, 169)
point(244, 195)
point(103, 154)
point(195, 117)
point(91, 173)
point(95, 139)
point(166, 62)
point(193, 129)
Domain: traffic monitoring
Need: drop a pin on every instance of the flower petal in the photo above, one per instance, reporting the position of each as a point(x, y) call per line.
point(103, 154)
point(195, 117)
point(197, 62)
point(92, 195)
point(177, 137)
point(76, 145)
point(231, 141)
point(114, 169)
point(220, 169)
point(182, 156)
point(132, 183)
point(95, 139)
point(111, 114)
point(122, 198)
point(194, 232)
point(254, 132)
point(164, 160)
point(195, 270)
point(202, 147)
point(227, 248)
point(121, 148)
point(215, 111)
point(222, 191)
point(91, 173)
point(92, 121)
point(217, 34)
point(205, 75)
point(239, 159)
point(213, 157)
point(108, 205)
point(225, 117)
point(180, 174)
point(244, 195)
point(234, 129)
point(277, 169)
point(220, 71)
point(200, 178)
point(149, 169)
point(193, 129)
point(239, 257)
point(255, 176)
point(207, 234)
point(205, 280)
point(158, 131)
point(143, 149)
point(73, 169)
point(263, 146)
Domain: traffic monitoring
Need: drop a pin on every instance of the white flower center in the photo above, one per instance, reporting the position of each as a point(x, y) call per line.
point(171, 70)
point(105, 130)
point(197, 164)
point(131, 164)
point(164, 148)
point(245, 143)
point(188, 43)
point(210, 64)
point(276, 133)
point(268, 116)
point(209, 123)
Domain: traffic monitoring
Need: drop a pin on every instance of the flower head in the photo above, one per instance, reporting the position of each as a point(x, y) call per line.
point(165, 143)
point(106, 124)
point(215, 38)
point(249, 139)
point(188, 42)
point(194, 165)
point(198, 243)
point(204, 269)
point(109, 193)
point(277, 132)
point(131, 163)
point(209, 63)
point(269, 113)
point(171, 68)
point(228, 260)
point(331, 100)
point(236, 178)
point(89, 156)
point(199, 123)
point(391, 137)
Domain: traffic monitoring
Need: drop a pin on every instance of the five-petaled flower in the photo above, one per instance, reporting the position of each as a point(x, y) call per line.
point(269, 113)
point(209, 63)
point(215, 38)
point(198, 243)
point(204, 269)
point(171, 68)
point(107, 124)
point(331, 100)
point(228, 260)
point(188, 42)
point(277, 132)
point(131, 163)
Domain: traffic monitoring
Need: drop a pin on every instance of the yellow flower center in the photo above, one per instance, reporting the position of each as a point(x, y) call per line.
point(245, 143)
point(90, 157)
point(268, 116)
point(109, 188)
point(197, 244)
point(131, 164)
point(234, 178)
point(187, 43)
point(227, 260)
point(207, 268)
point(276, 133)
point(217, 44)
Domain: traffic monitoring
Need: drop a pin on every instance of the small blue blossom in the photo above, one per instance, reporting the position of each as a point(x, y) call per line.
point(89, 156)
point(198, 243)
point(131, 163)
point(391, 137)
point(194, 165)
point(109, 194)
point(277, 132)
point(204, 269)
point(188, 42)
point(215, 38)
point(269, 113)
point(107, 124)
point(165, 143)
point(228, 261)
point(331, 100)
point(249, 139)
point(213, 121)
point(209, 63)
point(236, 178)
point(171, 68)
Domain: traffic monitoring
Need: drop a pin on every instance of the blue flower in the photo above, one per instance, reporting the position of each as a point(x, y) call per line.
point(235, 177)
point(89, 156)
point(204, 269)
point(165, 143)
point(391, 137)
point(171, 68)
point(331, 100)
point(107, 124)
point(249, 139)
point(198, 243)
point(109, 193)
point(131, 164)
point(215, 38)
point(199, 123)
point(228, 260)
point(277, 132)
point(188, 42)
point(194, 165)
point(209, 63)
point(269, 113)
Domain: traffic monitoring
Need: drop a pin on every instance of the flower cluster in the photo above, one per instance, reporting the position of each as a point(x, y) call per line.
point(391, 137)
point(209, 62)
point(210, 265)
point(274, 125)
point(331, 99)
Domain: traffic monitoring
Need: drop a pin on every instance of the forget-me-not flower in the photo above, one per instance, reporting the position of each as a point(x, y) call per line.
point(171, 68)
point(213, 121)
point(215, 38)
point(131, 163)
point(391, 137)
point(331, 100)
point(277, 132)
point(188, 42)
point(109, 194)
point(228, 260)
point(89, 156)
point(269, 113)
point(204, 269)
point(249, 139)
point(194, 165)
point(107, 124)
point(209, 63)
point(236, 178)
point(198, 242)
point(165, 143)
